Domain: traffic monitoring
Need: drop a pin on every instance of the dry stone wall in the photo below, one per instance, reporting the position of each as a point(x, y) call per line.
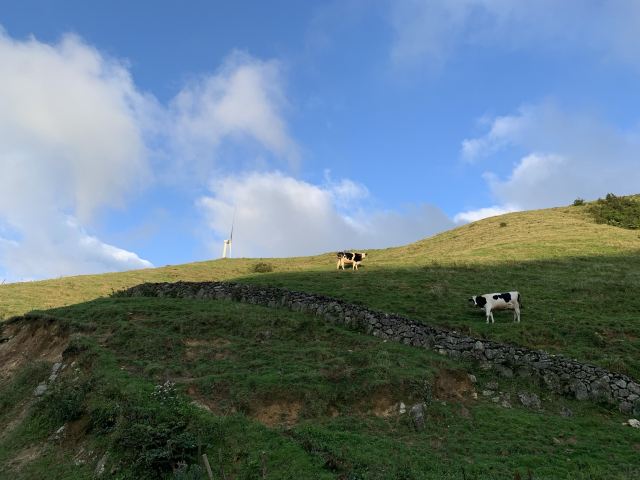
point(560, 374)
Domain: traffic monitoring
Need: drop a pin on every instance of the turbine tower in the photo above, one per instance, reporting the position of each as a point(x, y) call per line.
point(226, 248)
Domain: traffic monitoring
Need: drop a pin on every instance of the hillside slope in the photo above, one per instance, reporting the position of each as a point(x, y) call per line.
point(578, 280)
point(524, 236)
point(144, 386)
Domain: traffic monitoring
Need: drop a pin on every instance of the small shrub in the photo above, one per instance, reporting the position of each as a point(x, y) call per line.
point(65, 401)
point(165, 393)
point(578, 202)
point(503, 224)
point(262, 267)
point(77, 345)
point(104, 416)
point(155, 435)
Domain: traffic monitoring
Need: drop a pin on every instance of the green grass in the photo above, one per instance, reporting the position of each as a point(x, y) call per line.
point(241, 360)
point(578, 280)
point(319, 385)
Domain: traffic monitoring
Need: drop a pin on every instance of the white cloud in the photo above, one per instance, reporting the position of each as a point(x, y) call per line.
point(77, 136)
point(63, 248)
point(71, 141)
point(479, 214)
point(428, 31)
point(243, 100)
point(277, 215)
point(69, 125)
point(504, 131)
point(568, 155)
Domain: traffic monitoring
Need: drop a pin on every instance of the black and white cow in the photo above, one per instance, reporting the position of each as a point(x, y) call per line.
point(354, 258)
point(498, 301)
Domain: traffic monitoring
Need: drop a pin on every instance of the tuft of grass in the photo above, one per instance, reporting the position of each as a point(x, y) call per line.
point(262, 267)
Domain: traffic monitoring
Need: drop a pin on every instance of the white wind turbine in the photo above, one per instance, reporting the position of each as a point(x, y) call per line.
point(226, 248)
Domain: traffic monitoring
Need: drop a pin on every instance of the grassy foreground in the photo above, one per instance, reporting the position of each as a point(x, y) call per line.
point(275, 394)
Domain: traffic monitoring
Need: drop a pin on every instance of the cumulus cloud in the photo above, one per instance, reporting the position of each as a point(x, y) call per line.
point(503, 132)
point(428, 31)
point(243, 100)
point(566, 155)
point(77, 136)
point(277, 215)
point(71, 141)
point(486, 212)
point(63, 248)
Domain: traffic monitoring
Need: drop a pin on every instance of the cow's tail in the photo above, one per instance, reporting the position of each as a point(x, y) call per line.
point(520, 300)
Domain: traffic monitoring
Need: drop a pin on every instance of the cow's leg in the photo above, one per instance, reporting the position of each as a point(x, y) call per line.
point(488, 312)
point(338, 265)
point(516, 314)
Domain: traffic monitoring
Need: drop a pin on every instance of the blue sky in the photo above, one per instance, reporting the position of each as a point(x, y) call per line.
point(130, 132)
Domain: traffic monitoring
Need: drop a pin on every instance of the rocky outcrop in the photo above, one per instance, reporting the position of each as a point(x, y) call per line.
point(559, 374)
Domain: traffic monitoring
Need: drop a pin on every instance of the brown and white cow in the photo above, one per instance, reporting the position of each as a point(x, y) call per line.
point(354, 258)
point(498, 301)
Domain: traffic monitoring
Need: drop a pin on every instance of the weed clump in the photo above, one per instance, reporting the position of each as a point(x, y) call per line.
point(621, 212)
point(262, 267)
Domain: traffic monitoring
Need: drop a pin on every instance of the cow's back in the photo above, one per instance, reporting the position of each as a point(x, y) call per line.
point(503, 300)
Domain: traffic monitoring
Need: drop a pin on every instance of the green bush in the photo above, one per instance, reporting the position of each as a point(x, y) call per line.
point(104, 416)
point(262, 267)
point(154, 433)
point(578, 202)
point(621, 212)
point(65, 401)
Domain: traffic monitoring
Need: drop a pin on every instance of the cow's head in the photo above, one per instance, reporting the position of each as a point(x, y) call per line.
point(478, 301)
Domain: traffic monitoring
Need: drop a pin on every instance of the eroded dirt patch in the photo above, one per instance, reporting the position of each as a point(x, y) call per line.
point(217, 402)
point(382, 404)
point(453, 385)
point(277, 412)
point(29, 340)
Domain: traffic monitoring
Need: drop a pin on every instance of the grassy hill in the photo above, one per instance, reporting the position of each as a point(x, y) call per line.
point(578, 280)
point(273, 394)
